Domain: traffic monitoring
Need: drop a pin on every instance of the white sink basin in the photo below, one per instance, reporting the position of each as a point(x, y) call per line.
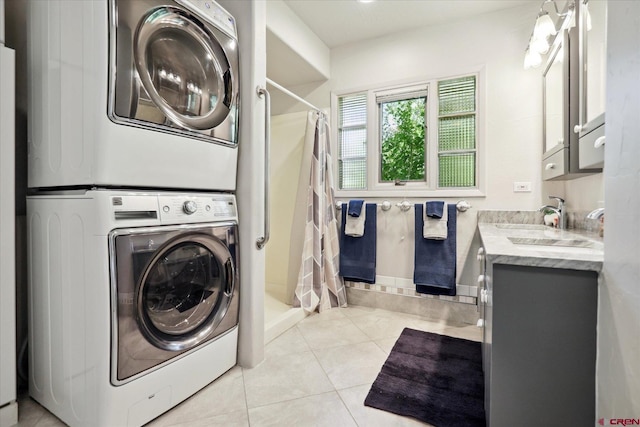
point(554, 245)
point(524, 226)
point(575, 243)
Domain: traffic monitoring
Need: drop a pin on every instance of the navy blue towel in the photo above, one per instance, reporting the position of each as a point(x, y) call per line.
point(358, 254)
point(435, 260)
point(355, 207)
point(434, 209)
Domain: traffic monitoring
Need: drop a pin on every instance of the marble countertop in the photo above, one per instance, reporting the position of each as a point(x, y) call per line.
point(541, 246)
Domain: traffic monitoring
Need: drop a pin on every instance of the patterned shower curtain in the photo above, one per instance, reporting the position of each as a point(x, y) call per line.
point(319, 284)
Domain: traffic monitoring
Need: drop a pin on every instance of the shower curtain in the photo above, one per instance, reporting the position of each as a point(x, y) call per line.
point(319, 284)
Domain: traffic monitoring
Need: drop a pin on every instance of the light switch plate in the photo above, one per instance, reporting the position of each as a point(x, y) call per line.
point(522, 187)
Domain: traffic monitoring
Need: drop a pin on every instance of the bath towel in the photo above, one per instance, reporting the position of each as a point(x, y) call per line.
point(435, 221)
point(358, 254)
point(435, 260)
point(356, 218)
point(355, 207)
point(435, 209)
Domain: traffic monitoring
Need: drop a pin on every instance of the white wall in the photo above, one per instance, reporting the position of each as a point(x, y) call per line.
point(251, 20)
point(512, 113)
point(585, 194)
point(618, 363)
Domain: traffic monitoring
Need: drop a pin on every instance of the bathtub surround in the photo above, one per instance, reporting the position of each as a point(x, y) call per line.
point(319, 285)
point(458, 310)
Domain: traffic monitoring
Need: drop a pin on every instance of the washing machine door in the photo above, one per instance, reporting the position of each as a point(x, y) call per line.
point(184, 291)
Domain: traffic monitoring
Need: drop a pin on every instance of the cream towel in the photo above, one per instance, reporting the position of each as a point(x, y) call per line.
point(354, 226)
point(435, 228)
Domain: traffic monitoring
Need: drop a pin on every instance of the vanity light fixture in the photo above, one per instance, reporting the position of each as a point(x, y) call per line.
point(532, 59)
point(540, 45)
point(544, 28)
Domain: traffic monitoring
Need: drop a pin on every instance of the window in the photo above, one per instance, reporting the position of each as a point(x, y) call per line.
point(410, 138)
point(352, 137)
point(402, 137)
point(457, 132)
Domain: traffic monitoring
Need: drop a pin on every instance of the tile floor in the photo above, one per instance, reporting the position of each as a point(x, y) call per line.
point(318, 373)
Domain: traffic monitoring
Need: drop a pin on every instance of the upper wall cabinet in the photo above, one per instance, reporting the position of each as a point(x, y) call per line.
point(593, 62)
point(562, 103)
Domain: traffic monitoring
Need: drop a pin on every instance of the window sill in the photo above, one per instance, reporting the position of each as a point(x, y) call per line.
point(410, 193)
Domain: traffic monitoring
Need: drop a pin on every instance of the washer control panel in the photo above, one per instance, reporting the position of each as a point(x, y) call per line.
point(197, 208)
point(171, 208)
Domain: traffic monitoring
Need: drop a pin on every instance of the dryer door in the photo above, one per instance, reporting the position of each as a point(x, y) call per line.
point(173, 70)
point(183, 69)
point(184, 291)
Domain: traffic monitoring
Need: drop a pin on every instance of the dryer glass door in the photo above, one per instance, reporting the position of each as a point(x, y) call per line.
point(184, 291)
point(183, 69)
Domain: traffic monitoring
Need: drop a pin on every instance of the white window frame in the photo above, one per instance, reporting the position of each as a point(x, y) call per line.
point(429, 188)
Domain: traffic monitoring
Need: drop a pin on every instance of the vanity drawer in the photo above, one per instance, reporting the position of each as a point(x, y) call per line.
point(555, 165)
point(592, 149)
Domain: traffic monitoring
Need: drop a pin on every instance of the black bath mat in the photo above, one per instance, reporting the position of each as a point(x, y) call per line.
point(434, 378)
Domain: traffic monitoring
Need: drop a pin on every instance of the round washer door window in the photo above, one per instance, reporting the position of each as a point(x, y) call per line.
point(185, 291)
point(184, 69)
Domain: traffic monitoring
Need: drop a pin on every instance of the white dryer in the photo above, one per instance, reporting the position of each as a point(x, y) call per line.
point(132, 93)
point(133, 301)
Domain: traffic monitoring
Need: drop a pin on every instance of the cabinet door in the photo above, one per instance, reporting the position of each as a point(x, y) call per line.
point(593, 26)
point(555, 98)
point(593, 57)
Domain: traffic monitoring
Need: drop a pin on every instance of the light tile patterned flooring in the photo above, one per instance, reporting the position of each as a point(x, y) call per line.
point(318, 373)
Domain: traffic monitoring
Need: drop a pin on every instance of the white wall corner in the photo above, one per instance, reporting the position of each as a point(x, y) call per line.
point(289, 29)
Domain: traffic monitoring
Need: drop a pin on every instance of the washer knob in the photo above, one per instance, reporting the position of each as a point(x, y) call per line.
point(189, 207)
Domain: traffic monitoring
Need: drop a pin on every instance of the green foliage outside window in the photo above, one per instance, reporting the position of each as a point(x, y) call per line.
point(403, 140)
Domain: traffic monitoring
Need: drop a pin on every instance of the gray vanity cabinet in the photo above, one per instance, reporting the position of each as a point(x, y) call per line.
point(592, 26)
point(561, 110)
point(539, 345)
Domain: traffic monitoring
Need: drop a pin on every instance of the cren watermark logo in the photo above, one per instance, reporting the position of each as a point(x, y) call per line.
point(619, 422)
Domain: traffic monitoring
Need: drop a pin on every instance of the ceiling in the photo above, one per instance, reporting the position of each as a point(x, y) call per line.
point(339, 22)
point(342, 22)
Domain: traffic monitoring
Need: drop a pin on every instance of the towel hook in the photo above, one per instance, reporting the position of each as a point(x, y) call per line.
point(404, 205)
point(463, 206)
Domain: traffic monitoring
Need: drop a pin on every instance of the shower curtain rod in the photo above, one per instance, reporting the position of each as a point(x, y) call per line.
point(293, 95)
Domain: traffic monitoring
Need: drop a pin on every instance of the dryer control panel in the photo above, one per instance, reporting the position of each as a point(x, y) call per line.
point(214, 13)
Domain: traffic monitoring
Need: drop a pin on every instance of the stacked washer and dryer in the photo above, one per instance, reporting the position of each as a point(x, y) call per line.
point(132, 220)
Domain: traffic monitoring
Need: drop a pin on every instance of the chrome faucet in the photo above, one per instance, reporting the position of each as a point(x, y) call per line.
point(557, 210)
point(596, 213)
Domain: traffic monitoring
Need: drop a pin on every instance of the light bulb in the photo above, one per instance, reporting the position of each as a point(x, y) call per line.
point(544, 26)
point(540, 45)
point(532, 59)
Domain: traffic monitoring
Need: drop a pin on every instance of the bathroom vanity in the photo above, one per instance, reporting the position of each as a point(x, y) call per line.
point(539, 292)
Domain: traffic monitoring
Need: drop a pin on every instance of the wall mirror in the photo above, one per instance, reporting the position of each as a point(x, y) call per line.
point(555, 95)
point(593, 58)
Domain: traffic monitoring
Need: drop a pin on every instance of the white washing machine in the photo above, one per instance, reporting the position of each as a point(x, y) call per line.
point(132, 93)
point(133, 301)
